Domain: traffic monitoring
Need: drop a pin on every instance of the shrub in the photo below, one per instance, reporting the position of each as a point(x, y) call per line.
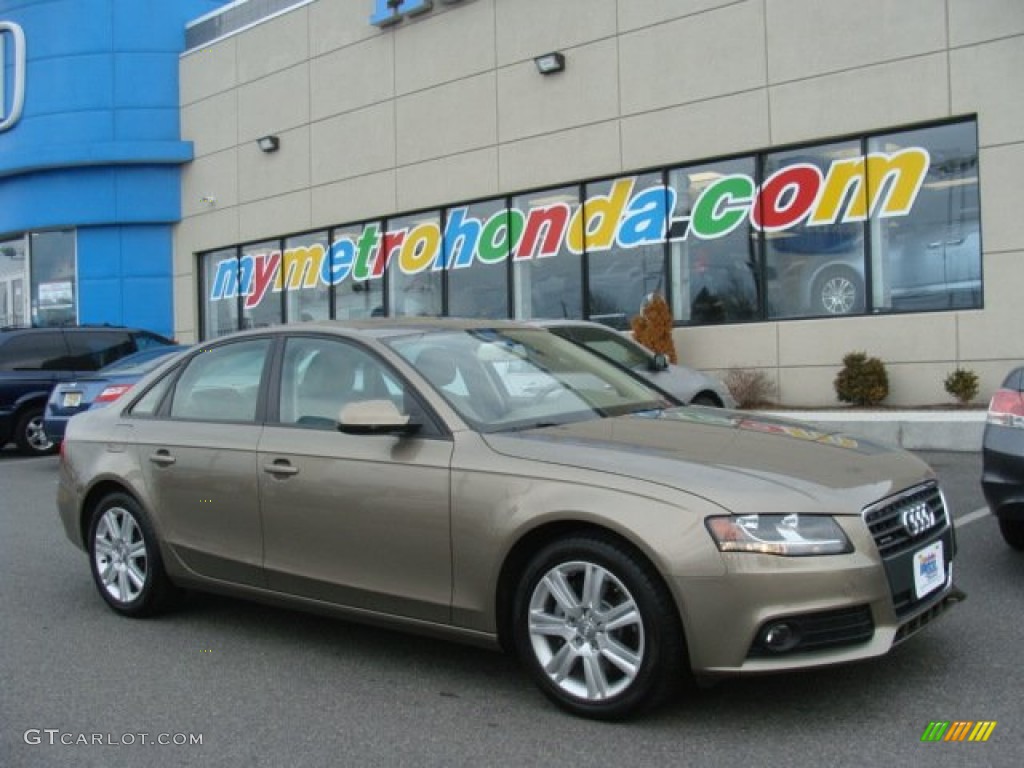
point(750, 388)
point(653, 327)
point(963, 385)
point(862, 380)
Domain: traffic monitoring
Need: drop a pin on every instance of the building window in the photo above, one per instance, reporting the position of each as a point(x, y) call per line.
point(53, 294)
point(930, 259)
point(355, 295)
point(13, 276)
point(811, 269)
point(260, 270)
point(547, 277)
point(869, 224)
point(223, 291)
point(307, 296)
point(625, 247)
point(477, 242)
point(716, 268)
point(408, 254)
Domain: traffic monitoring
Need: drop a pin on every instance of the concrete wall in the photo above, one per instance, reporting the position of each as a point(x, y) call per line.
point(448, 106)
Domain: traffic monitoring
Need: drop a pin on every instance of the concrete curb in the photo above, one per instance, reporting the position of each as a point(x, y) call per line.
point(914, 430)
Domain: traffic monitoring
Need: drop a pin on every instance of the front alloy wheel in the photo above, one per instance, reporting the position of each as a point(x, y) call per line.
point(126, 564)
point(597, 629)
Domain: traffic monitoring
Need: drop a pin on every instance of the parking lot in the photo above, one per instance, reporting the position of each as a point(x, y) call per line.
point(261, 686)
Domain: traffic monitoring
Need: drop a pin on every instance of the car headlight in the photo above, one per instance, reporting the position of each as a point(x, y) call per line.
point(787, 535)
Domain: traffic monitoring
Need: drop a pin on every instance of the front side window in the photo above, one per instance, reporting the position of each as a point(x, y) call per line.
point(221, 384)
point(930, 259)
point(625, 251)
point(320, 376)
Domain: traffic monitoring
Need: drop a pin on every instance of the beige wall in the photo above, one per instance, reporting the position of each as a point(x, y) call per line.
point(448, 106)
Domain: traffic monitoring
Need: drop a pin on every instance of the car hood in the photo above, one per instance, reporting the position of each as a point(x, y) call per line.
point(744, 462)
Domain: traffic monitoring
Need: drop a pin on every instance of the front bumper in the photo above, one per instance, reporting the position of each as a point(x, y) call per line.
point(834, 609)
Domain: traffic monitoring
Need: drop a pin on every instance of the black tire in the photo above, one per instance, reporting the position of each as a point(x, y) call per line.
point(577, 639)
point(705, 399)
point(838, 291)
point(29, 434)
point(1013, 532)
point(124, 557)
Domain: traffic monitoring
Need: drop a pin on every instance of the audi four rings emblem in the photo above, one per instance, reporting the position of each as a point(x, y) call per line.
point(917, 519)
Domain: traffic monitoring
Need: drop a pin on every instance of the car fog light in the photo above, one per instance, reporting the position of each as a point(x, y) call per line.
point(780, 637)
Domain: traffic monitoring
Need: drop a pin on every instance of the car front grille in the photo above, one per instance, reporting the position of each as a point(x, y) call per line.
point(899, 524)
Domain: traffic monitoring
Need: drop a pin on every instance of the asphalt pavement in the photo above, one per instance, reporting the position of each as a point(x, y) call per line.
point(261, 686)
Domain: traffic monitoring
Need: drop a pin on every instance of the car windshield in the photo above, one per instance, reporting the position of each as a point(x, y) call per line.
point(613, 346)
point(506, 379)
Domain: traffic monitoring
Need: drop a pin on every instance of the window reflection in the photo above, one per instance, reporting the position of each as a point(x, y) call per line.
point(814, 269)
point(414, 286)
point(931, 258)
point(480, 288)
point(307, 297)
point(546, 282)
point(618, 278)
point(354, 298)
point(715, 280)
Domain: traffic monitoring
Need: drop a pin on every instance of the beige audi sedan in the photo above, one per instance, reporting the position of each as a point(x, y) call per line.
point(500, 485)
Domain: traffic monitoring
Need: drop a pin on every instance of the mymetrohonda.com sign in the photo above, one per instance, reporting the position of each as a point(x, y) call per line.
point(879, 185)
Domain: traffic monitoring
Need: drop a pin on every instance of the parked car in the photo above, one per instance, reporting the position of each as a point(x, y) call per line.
point(99, 390)
point(385, 471)
point(33, 360)
point(687, 384)
point(1002, 455)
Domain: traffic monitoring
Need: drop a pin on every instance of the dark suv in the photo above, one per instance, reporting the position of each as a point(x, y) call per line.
point(33, 360)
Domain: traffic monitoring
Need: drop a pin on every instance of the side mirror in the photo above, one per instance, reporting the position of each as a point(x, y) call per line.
point(659, 362)
point(374, 417)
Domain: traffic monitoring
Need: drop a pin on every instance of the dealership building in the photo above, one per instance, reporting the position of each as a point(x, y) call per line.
point(799, 178)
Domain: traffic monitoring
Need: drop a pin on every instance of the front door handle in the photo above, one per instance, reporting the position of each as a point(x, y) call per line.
point(280, 467)
point(162, 458)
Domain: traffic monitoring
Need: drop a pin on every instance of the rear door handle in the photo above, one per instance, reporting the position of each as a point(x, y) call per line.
point(162, 458)
point(280, 467)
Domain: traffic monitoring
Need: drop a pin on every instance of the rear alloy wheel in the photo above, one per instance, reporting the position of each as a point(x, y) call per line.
point(30, 435)
point(125, 559)
point(597, 629)
point(1013, 532)
point(838, 292)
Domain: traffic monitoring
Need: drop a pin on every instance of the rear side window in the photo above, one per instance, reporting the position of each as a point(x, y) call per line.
point(91, 350)
point(147, 340)
point(221, 384)
point(34, 352)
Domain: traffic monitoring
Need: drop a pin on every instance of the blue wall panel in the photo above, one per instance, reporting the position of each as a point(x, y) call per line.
point(98, 147)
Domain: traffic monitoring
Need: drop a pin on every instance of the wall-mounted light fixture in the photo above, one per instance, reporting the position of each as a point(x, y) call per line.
point(550, 63)
point(268, 143)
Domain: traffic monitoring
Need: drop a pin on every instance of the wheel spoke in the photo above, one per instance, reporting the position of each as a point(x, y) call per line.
point(562, 592)
point(138, 577)
point(107, 574)
point(123, 585)
point(622, 615)
point(549, 626)
point(561, 663)
point(621, 656)
point(597, 682)
point(593, 584)
point(104, 548)
point(137, 551)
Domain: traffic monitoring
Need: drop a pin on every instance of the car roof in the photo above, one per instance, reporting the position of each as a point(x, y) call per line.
point(564, 322)
point(383, 326)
